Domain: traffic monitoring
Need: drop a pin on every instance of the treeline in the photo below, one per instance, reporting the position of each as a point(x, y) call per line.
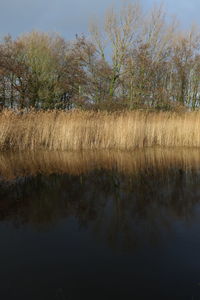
point(135, 59)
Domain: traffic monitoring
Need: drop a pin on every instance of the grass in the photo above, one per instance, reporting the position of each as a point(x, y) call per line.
point(83, 130)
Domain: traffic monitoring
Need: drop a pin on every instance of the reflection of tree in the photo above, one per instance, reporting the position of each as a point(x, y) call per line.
point(126, 210)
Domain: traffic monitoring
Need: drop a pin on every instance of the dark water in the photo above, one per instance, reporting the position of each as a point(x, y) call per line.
point(102, 234)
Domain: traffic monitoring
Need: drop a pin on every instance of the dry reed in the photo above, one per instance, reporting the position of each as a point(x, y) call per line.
point(80, 130)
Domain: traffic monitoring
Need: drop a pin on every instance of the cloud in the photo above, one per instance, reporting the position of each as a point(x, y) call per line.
point(187, 11)
point(17, 16)
point(71, 16)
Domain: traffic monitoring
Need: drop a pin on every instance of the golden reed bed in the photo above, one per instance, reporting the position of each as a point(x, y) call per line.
point(79, 130)
point(16, 164)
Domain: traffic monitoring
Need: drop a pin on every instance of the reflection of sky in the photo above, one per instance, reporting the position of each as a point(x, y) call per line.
point(71, 16)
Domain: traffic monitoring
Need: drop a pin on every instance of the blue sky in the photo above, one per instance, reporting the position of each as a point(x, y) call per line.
point(69, 17)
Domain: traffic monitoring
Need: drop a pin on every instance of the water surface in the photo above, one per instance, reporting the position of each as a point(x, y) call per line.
point(100, 225)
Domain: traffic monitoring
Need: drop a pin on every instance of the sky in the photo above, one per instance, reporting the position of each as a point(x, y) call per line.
point(71, 17)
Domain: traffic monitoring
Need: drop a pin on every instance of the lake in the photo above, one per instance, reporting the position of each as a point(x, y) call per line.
point(100, 225)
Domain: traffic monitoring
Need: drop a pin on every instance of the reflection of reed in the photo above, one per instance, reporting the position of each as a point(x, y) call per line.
point(125, 198)
point(17, 164)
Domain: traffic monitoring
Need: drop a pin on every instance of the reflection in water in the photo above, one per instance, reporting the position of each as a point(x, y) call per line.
point(13, 165)
point(100, 225)
point(126, 198)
